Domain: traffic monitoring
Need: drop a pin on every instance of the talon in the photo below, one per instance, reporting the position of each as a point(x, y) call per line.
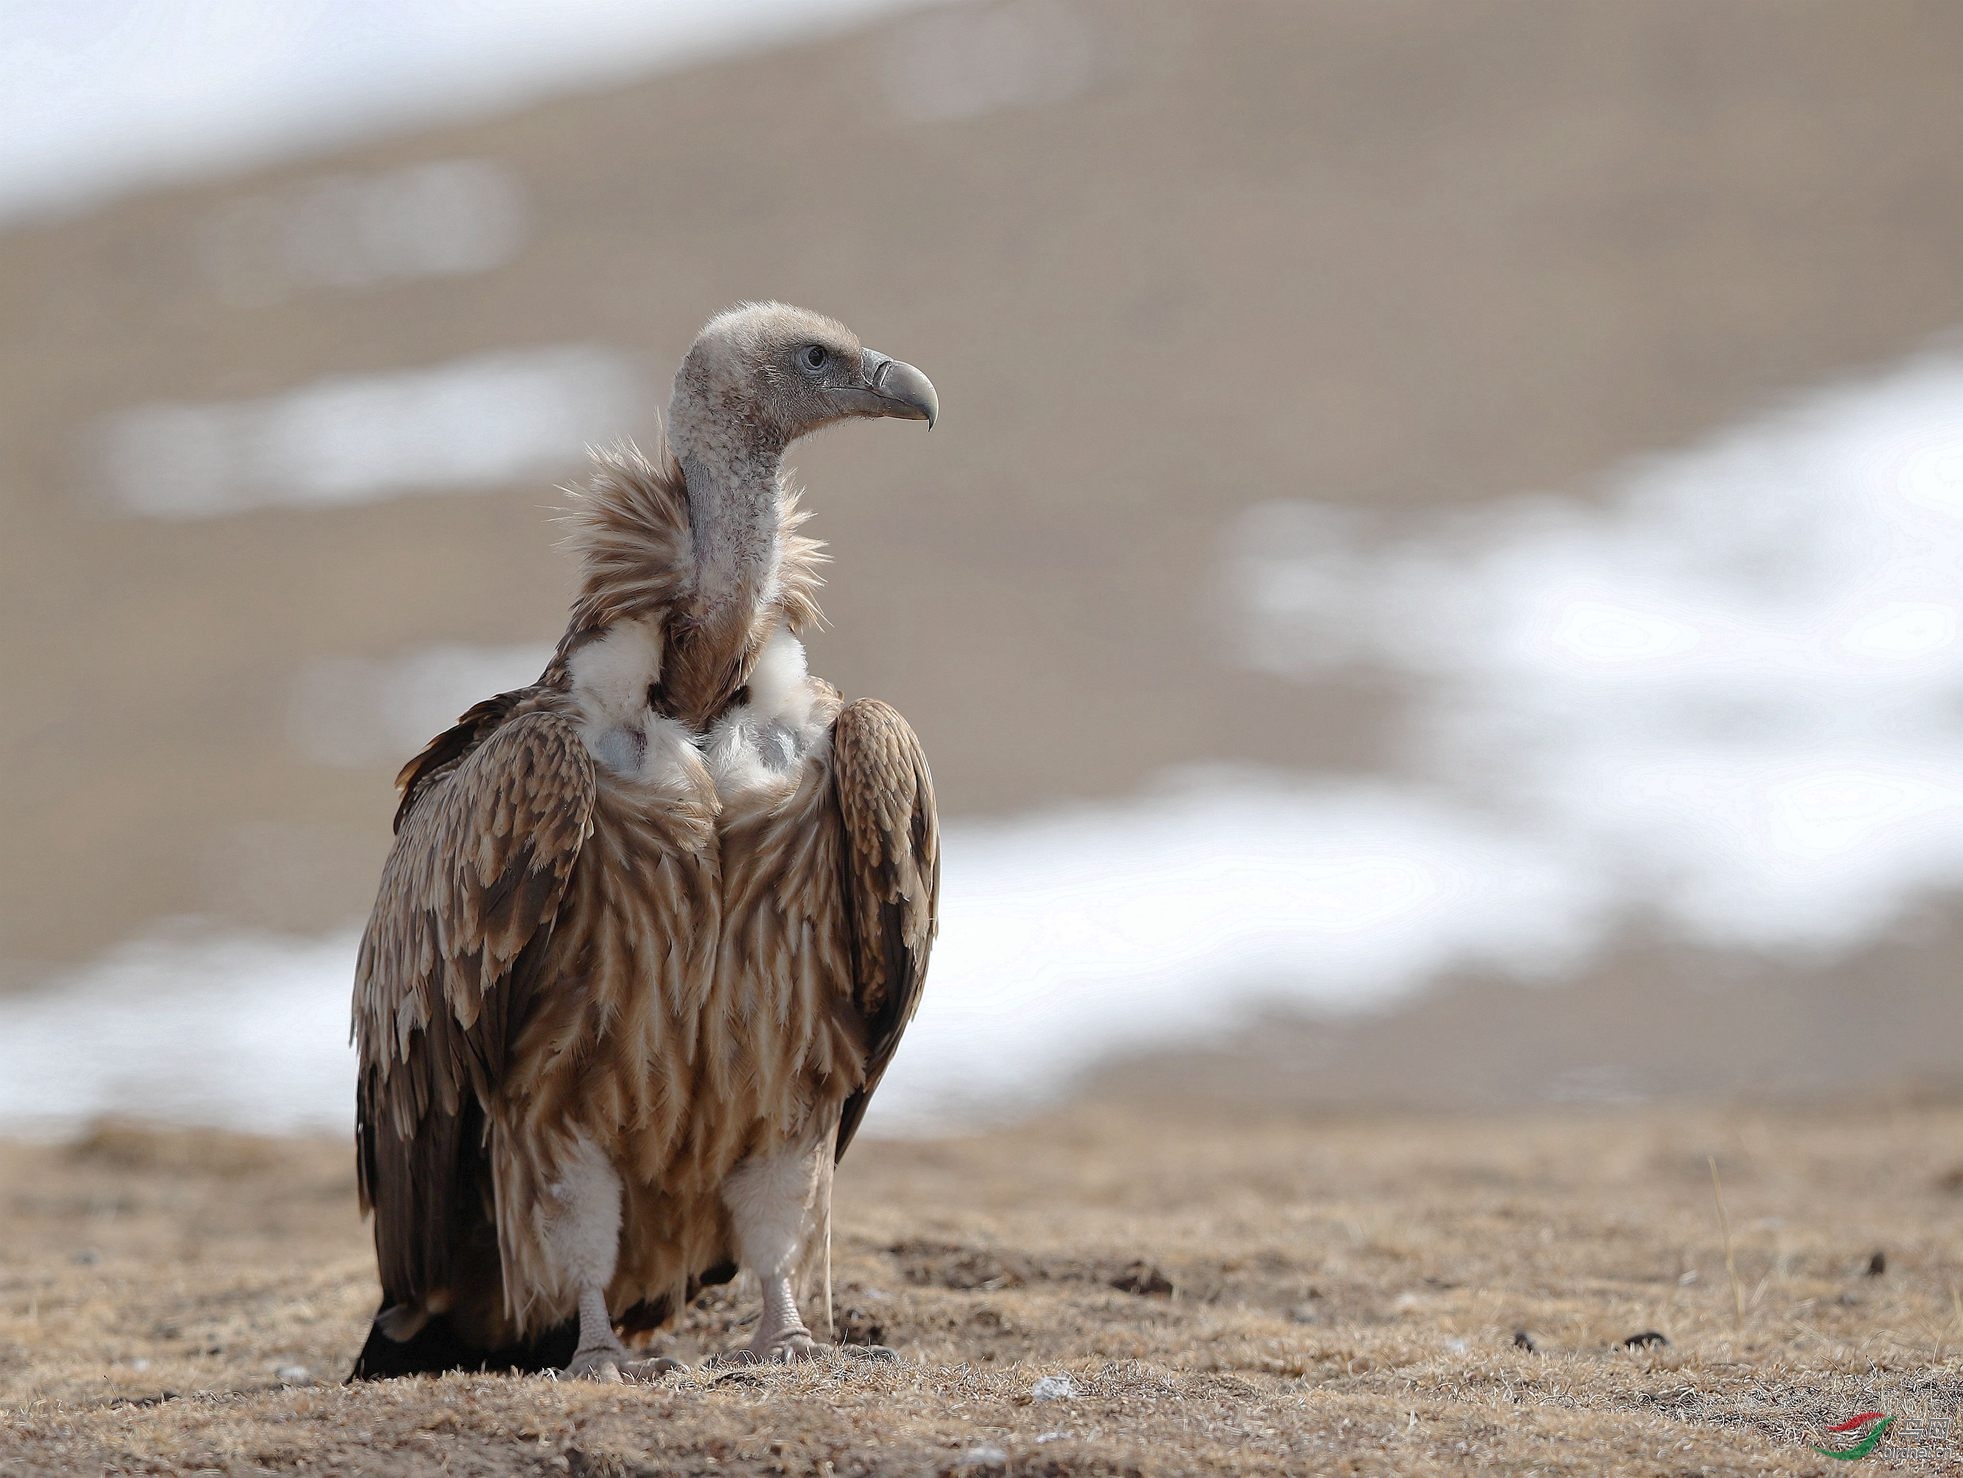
point(612, 1365)
point(788, 1349)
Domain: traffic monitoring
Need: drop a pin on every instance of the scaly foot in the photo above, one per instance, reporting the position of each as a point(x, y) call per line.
point(788, 1348)
point(611, 1365)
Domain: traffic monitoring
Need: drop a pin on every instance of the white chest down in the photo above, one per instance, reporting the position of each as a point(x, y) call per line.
point(755, 745)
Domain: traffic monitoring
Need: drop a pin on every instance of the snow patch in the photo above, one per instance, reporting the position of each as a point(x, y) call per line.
point(1733, 686)
point(472, 424)
point(1063, 939)
point(223, 86)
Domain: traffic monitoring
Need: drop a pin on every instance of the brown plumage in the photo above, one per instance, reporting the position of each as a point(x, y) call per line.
point(651, 928)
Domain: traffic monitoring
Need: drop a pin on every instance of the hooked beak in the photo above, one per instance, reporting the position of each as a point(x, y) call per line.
point(892, 387)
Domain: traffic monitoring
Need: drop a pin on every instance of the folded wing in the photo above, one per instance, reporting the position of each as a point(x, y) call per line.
point(890, 865)
point(492, 826)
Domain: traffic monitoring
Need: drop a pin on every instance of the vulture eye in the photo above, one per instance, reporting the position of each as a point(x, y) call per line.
point(814, 357)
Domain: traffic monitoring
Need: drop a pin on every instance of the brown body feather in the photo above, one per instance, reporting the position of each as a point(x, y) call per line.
point(685, 976)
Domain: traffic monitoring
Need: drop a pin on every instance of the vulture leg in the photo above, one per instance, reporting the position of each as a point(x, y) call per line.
point(601, 1356)
point(583, 1238)
point(771, 1200)
point(780, 1211)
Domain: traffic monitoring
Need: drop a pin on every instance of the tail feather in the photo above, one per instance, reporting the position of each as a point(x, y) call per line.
point(433, 1346)
point(436, 1347)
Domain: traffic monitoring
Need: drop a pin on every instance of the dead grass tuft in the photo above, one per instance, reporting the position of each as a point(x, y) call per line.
point(1414, 1297)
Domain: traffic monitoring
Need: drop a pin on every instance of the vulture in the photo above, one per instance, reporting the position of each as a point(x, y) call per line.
point(651, 927)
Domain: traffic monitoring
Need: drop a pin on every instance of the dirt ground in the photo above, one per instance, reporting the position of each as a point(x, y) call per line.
point(1543, 1294)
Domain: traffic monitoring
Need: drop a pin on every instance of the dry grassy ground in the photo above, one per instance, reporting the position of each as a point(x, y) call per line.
point(1266, 1294)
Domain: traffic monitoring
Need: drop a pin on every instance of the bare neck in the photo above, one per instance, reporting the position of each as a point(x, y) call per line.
point(731, 469)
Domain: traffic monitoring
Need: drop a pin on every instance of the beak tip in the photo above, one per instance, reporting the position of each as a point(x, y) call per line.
point(900, 389)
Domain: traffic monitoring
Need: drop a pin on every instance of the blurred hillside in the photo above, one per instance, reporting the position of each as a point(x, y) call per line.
point(276, 445)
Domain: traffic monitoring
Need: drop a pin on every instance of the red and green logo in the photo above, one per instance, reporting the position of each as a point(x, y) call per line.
point(1863, 1431)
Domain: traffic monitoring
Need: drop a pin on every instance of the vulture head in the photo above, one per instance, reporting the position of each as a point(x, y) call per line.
point(768, 373)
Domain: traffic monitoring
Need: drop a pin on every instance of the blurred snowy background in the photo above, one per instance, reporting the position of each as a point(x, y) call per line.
point(1441, 582)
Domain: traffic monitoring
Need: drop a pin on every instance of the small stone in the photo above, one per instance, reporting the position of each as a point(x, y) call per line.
point(1523, 1341)
point(294, 1373)
point(1877, 1263)
point(1042, 1437)
point(1053, 1388)
point(140, 1364)
point(1645, 1340)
